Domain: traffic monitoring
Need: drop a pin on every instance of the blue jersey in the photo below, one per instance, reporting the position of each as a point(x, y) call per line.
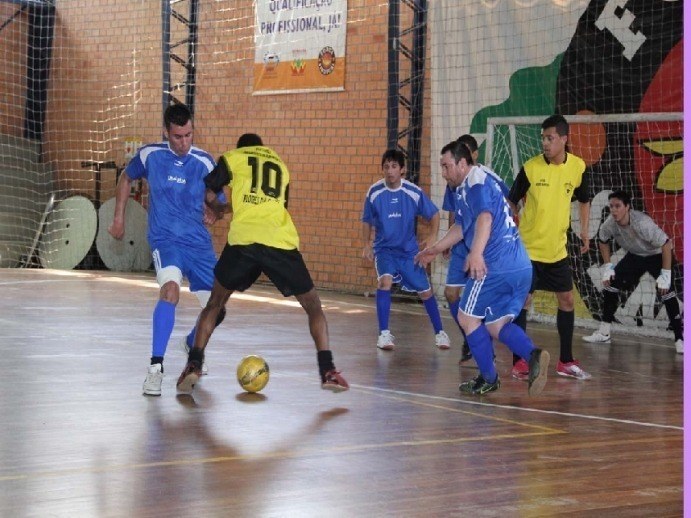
point(176, 194)
point(481, 192)
point(393, 214)
point(449, 204)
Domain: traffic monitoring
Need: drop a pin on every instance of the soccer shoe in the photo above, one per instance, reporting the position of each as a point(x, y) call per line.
point(385, 341)
point(186, 348)
point(465, 353)
point(597, 338)
point(537, 371)
point(334, 382)
point(520, 370)
point(441, 339)
point(478, 386)
point(153, 381)
point(572, 370)
point(679, 344)
point(189, 377)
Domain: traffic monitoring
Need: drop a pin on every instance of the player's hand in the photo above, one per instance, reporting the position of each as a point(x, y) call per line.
point(446, 254)
point(585, 246)
point(664, 281)
point(475, 266)
point(117, 228)
point(424, 257)
point(607, 274)
point(368, 252)
point(210, 217)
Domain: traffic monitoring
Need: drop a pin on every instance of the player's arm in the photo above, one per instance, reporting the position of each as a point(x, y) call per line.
point(518, 190)
point(664, 280)
point(433, 230)
point(583, 197)
point(475, 262)
point(368, 240)
point(122, 194)
point(452, 236)
point(214, 182)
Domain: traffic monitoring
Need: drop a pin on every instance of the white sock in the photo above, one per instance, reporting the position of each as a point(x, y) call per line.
point(605, 328)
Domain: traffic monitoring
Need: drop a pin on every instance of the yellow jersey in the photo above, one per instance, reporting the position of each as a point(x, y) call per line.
point(259, 182)
point(548, 189)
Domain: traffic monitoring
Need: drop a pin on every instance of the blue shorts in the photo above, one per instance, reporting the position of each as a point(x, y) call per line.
point(194, 263)
point(498, 295)
point(403, 270)
point(456, 275)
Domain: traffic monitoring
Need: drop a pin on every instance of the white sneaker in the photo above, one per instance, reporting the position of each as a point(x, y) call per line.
point(442, 340)
point(679, 344)
point(597, 338)
point(153, 381)
point(385, 340)
point(186, 349)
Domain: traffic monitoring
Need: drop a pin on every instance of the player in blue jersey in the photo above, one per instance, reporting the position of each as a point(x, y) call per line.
point(456, 276)
point(181, 244)
point(499, 271)
point(392, 206)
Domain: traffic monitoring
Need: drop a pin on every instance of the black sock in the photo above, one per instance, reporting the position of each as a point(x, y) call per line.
point(325, 361)
point(196, 355)
point(521, 321)
point(565, 320)
point(157, 359)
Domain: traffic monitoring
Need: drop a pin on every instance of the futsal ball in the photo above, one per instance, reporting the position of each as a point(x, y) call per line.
point(253, 373)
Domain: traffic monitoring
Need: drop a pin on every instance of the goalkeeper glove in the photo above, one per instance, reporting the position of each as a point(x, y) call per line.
point(607, 272)
point(664, 280)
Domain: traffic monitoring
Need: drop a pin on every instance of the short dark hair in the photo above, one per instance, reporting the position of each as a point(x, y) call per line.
point(177, 114)
point(469, 141)
point(624, 196)
point(557, 122)
point(458, 150)
point(393, 155)
point(249, 140)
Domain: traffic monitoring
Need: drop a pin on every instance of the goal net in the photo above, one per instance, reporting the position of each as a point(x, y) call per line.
point(638, 153)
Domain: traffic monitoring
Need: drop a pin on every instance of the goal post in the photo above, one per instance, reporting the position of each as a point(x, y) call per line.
point(641, 153)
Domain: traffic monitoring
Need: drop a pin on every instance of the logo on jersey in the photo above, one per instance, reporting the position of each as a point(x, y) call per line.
point(327, 60)
point(569, 188)
point(176, 179)
point(395, 215)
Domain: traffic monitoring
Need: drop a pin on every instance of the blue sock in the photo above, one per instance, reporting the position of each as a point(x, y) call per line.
point(164, 319)
point(190, 337)
point(383, 308)
point(480, 343)
point(433, 312)
point(515, 339)
point(453, 309)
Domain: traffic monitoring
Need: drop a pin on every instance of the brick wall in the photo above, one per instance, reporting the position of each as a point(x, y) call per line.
point(106, 86)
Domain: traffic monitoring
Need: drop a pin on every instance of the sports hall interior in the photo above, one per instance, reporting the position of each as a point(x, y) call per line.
point(84, 83)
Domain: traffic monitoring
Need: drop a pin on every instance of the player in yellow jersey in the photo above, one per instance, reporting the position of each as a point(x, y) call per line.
point(548, 182)
point(262, 239)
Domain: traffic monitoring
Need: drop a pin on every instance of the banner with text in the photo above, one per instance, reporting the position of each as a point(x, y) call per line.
point(299, 45)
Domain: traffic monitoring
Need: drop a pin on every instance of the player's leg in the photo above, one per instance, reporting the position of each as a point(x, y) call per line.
point(167, 262)
point(509, 291)
point(386, 269)
point(669, 299)
point(200, 272)
point(627, 274)
point(414, 277)
point(233, 271)
point(520, 368)
point(287, 271)
point(456, 279)
point(472, 310)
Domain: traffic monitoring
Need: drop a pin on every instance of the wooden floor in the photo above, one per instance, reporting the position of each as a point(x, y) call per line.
point(78, 439)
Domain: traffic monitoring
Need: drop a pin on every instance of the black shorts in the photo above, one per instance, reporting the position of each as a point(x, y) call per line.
point(555, 277)
point(631, 268)
point(240, 266)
